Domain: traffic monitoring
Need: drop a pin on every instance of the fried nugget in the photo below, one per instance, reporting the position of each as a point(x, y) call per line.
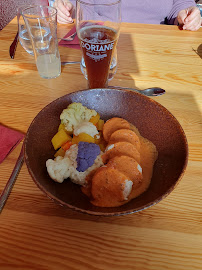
point(125, 135)
point(121, 149)
point(110, 188)
point(112, 125)
point(129, 167)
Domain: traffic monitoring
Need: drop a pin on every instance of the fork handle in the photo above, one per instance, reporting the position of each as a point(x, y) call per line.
point(5, 193)
point(13, 46)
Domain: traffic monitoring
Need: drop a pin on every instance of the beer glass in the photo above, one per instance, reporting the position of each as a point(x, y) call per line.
point(98, 25)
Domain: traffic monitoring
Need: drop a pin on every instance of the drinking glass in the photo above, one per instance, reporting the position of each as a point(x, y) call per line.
point(98, 26)
point(41, 23)
point(51, 2)
point(200, 8)
point(22, 30)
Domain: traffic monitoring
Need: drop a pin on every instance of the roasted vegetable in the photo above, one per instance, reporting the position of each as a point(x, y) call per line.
point(83, 137)
point(66, 146)
point(95, 119)
point(100, 124)
point(60, 153)
point(60, 138)
point(87, 153)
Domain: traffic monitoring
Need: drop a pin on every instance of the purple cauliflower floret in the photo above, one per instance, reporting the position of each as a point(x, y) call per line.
point(87, 153)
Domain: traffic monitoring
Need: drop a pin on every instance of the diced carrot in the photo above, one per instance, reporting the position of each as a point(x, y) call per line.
point(66, 145)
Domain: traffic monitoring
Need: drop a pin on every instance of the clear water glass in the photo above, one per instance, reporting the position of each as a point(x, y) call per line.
point(23, 34)
point(41, 23)
point(200, 8)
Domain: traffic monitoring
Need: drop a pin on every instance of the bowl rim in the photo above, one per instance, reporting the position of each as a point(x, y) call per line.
point(107, 214)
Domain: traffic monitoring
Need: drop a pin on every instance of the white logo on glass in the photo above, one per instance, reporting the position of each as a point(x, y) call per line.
point(97, 52)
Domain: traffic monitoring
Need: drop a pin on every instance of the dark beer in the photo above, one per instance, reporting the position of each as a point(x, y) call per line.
point(98, 43)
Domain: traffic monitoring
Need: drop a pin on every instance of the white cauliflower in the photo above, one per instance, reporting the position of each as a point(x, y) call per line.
point(86, 127)
point(58, 169)
point(61, 168)
point(75, 114)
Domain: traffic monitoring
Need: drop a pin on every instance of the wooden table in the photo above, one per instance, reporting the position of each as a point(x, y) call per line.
point(37, 234)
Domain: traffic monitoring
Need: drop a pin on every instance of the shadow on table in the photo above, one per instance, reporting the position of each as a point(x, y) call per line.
point(199, 51)
point(126, 55)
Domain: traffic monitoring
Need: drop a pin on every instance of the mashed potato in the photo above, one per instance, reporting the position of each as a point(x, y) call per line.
point(62, 168)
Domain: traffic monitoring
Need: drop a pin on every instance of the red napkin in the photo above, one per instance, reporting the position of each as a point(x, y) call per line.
point(71, 44)
point(9, 139)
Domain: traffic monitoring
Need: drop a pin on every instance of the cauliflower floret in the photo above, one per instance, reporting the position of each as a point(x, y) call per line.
point(87, 153)
point(86, 127)
point(58, 169)
point(75, 114)
point(63, 167)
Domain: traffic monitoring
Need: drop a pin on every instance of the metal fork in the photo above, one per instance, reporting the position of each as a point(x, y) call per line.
point(69, 38)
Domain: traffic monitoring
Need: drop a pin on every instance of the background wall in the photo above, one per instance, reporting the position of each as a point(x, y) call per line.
point(8, 9)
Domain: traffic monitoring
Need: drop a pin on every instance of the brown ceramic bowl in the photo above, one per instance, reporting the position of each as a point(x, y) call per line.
point(153, 121)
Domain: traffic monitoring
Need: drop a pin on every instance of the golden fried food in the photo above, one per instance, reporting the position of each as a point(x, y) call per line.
point(112, 125)
point(110, 188)
point(129, 167)
point(121, 149)
point(125, 135)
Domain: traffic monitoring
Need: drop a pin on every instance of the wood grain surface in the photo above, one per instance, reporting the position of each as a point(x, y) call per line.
point(37, 234)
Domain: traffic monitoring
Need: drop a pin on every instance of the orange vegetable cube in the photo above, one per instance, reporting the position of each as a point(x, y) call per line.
point(60, 152)
point(75, 139)
point(60, 138)
point(62, 126)
point(100, 124)
point(83, 137)
point(95, 119)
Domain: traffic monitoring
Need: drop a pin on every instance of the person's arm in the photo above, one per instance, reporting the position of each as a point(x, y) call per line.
point(186, 14)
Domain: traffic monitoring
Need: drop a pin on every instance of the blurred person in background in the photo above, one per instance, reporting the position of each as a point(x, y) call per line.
point(8, 9)
point(179, 12)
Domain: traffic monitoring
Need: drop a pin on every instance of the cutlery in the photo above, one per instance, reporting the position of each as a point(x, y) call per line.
point(153, 91)
point(70, 62)
point(69, 38)
point(5, 193)
point(14, 44)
